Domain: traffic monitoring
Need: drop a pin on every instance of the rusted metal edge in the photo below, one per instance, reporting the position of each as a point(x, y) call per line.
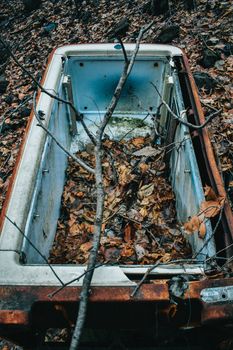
point(21, 149)
point(19, 300)
point(14, 317)
point(217, 313)
point(214, 173)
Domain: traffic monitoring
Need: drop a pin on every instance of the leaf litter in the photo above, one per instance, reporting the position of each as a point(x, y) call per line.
point(139, 223)
point(31, 38)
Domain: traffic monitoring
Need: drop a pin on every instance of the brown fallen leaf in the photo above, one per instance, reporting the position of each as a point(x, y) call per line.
point(146, 190)
point(74, 230)
point(192, 225)
point(147, 151)
point(212, 208)
point(128, 232)
point(208, 209)
point(202, 230)
point(80, 194)
point(138, 141)
point(209, 193)
point(143, 167)
point(127, 251)
point(124, 174)
point(85, 247)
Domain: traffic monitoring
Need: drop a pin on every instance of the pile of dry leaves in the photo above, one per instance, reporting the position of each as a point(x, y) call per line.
point(33, 32)
point(139, 225)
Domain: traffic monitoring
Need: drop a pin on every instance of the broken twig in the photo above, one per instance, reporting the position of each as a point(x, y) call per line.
point(36, 249)
point(182, 121)
point(100, 193)
point(75, 158)
point(78, 116)
point(148, 271)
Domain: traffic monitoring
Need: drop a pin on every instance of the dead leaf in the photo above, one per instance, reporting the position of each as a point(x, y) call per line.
point(210, 208)
point(143, 167)
point(138, 141)
point(127, 251)
point(147, 151)
point(146, 190)
point(209, 193)
point(128, 232)
point(140, 251)
point(74, 230)
point(125, 175)
point(202, 230)
point(192, 225)
point(80, 194)
point(143, 212)
point(85, 247)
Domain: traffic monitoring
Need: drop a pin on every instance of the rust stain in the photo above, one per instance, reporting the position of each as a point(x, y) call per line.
point(13, 317)
point(21, 150)
point(156, 292)
point(217, 313)
point(208, 150)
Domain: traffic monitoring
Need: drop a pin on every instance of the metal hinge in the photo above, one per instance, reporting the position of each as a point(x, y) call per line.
point(72, 116)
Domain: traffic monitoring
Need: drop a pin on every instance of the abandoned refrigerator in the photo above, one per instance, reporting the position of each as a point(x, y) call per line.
point(87, 75)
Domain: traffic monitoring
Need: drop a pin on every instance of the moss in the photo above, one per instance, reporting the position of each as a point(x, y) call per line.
point(127, 122)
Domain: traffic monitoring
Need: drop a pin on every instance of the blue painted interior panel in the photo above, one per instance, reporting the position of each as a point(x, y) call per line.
point(93, 84)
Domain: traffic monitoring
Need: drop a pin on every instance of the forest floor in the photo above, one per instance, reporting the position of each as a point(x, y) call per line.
point(204, 33)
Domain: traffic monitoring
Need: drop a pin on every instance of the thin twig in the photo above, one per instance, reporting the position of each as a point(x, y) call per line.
point(226, 263)
point(124, 76)
point(76, 279)
point(131, 130)
point(111, 216)
point(14, 111)
point(100, 195)
point(93, 253)
point(144, 277)
point(75, 158)
point(219, 251)
point(36, 249)
point(77, 114)
point(123, 49)
point(190, 125)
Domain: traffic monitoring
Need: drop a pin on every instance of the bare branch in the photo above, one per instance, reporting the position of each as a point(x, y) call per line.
point(123, 49)
point(94, 251)
point(36, 249)
point(190, 125)
point(139, 38)
point(144, 277)
point(100, 196)
point(14, 111)
point(77, 114)
point(74, 280)
point(124, 76)
point(75, 158)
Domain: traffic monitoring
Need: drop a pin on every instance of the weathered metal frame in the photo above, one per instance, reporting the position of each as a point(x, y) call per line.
point(17, 302)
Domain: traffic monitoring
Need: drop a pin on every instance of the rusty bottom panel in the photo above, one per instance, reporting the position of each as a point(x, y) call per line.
point(17, 302)
point(13, 317)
